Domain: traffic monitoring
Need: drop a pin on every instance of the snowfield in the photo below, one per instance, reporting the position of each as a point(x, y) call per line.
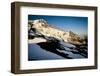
point(44, 51)
point(36, 40)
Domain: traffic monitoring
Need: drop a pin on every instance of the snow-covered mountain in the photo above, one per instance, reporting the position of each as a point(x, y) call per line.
point(46, 29)
point(48, 42)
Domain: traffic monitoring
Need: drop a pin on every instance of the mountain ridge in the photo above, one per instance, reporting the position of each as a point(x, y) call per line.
point(46, 29)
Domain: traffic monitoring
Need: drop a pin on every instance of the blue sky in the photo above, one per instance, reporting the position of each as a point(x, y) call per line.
point(78, 25)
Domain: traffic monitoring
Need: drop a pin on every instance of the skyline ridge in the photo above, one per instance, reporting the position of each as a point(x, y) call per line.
point(78, 25)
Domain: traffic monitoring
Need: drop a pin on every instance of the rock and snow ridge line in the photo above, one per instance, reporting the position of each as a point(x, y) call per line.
point(46, 29)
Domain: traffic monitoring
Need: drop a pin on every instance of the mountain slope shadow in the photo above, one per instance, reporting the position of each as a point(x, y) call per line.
point(52, 46)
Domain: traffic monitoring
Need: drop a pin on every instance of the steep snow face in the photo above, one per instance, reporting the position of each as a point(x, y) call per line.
point(44, 28)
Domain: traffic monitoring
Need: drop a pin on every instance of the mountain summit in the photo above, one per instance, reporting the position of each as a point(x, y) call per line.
point(42, 27)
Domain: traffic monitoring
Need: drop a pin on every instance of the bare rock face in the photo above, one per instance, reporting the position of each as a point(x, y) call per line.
point(42, 27)
point(74, 38)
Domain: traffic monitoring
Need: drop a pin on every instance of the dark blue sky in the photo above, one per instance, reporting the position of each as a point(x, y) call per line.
point(78, 25)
